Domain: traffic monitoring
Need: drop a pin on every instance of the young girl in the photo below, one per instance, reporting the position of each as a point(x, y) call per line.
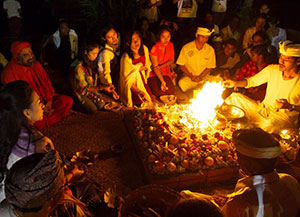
point(109, 58)
point(135, 69)
point(162, 57)
point(20, 107)
point(84, 79)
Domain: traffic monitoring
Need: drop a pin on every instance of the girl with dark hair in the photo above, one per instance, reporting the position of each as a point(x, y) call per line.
point(109, 58)
point(135, 69)
point(20, 107)
point(85, 81)
point(162, 57)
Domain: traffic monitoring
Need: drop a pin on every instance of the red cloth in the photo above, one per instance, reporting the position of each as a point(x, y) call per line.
point(35, 75)
point(61, 104)
point(40, 82)
point(17, 46)
point(163, 55)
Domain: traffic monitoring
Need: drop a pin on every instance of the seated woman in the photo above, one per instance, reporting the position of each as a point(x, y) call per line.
point(259, 60)
point(162, 57)
point(85, 81)
point(135, 69)
point(20, 107)
point(109, 58)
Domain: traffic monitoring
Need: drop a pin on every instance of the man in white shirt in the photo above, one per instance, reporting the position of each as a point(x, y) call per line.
point(13, 10)
point(281, 106)
point(196, 59)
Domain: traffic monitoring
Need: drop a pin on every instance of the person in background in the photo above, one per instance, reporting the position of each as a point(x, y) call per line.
point(226, 59)
point(20, 108)
point(3, 62)
point(36, 186)
point(135, 69)
point(196, 59)
point(84, 79)
point(261, 191)
point(57, 54)
point(150, 10)
point(215, 39)
point(13, 10)
point(260, 23)
point(275, 33)
point(162, 57)
point(147, 35)
point(281, 106)
point(219, 8)
point(259, 58)
point(232, 30)
point(109, 58)
point(23, 66)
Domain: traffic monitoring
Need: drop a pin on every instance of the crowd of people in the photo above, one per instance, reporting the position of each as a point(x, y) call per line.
point(162, 56)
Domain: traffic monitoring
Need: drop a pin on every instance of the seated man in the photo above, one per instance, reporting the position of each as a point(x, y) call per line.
point(35, 186)
point(57, 54)
point(281, 105)
point(262, 191)
point(196, 59)
point(23, 66)
point(226, 58)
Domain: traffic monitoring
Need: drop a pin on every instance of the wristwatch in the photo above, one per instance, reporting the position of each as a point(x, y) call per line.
point(292, 108)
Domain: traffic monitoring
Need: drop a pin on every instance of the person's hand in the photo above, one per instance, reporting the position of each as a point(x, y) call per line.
point(115, 95)
point(229, 83)
point(143, 96)
point(283, 104)
point(225, 74)
point(48, 110)
point(163, 86)
point(109, 88)
point(143, 68)
point(43, 145)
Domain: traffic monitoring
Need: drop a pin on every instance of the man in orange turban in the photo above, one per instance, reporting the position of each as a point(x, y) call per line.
point(23, 66)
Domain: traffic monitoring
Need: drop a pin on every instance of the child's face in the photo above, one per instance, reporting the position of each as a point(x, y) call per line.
point(111, 38)
point(165, 37)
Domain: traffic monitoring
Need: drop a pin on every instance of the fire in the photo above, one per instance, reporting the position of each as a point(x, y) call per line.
point(197, 116)
point(207, 99)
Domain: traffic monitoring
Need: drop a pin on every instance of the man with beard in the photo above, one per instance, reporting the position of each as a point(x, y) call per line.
point(23, 66)
point(281, 105)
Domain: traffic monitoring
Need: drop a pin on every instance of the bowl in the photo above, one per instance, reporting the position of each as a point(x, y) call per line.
point(230, 112)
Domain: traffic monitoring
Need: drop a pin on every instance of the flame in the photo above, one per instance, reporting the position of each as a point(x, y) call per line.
point(197, 116)
point(207, 99)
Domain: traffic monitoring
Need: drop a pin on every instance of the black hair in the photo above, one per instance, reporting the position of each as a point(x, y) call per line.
point(63, 20)
point(14, 98)
point(263, 35)
point(161, 29)
point(88, 45)
point(193, 207)
point(104, 31)
point(261, 50)
point(231, 41)
point(128, 41)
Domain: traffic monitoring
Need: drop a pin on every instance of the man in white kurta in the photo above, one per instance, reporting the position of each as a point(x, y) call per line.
point(195, 60)
point(280, 108)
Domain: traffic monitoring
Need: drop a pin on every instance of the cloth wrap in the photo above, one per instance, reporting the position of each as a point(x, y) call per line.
point(17, 46)
point(288, 48)
point(204, 31)
point(256, 143)
point(34, 180)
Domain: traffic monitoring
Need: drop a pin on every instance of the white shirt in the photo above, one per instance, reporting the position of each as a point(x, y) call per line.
point(187, 8)
point(12, 7)
point(219, 6)
point(196, 61)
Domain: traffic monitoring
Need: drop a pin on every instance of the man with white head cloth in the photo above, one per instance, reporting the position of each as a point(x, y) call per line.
point(262, 191)
point(281, 106)
point(196, 59)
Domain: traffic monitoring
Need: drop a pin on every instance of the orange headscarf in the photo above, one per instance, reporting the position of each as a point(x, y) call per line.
point(17, 46)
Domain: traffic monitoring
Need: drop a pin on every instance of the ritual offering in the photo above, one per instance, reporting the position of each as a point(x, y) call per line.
point(175, 140)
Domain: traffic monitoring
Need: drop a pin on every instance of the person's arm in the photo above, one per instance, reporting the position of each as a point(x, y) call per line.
point(231, 83)
point(156, 69)
point(186, 72)
point(284, 104)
